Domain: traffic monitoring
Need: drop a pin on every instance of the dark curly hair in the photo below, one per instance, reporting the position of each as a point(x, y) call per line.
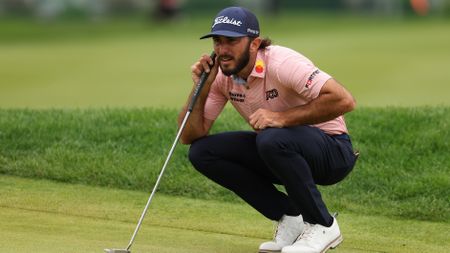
point(265, 43)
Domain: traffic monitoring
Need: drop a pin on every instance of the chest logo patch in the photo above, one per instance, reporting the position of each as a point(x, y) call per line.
point(238, 97)
point(271, 94)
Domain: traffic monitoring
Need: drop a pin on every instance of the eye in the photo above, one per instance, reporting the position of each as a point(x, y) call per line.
point(216, 41)
point(233, 40)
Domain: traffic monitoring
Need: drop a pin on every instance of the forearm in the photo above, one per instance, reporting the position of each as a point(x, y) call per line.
point(326, 107)
point(195, 126)
point(332, 102)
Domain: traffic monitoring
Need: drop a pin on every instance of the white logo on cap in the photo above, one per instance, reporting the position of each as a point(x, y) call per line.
point(226, 20)
point(252, 31)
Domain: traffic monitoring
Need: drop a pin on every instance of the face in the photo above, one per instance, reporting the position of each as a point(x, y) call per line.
point(234, 53)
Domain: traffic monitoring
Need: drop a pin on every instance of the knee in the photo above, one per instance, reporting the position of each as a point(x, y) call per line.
point(276, 147)
point(297, 139)
point(270, 141)
point(197, 152)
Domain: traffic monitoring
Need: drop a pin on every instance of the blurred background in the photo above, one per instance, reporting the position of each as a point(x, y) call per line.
point(164, 9)
point(138, 53)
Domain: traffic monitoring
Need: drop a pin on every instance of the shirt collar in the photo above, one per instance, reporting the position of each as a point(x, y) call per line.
point(238, 80)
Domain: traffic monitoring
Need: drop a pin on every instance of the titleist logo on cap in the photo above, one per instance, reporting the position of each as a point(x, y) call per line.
point(226, 20)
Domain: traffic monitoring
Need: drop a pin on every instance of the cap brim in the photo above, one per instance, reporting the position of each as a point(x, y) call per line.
point(223, 33)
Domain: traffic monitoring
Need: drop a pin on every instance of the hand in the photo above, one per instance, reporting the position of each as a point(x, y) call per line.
point(262, 119)
point(205, 63)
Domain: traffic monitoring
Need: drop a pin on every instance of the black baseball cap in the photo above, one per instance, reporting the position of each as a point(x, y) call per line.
point(234, 22)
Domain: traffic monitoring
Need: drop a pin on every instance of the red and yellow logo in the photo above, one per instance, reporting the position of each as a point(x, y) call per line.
point(259, 66)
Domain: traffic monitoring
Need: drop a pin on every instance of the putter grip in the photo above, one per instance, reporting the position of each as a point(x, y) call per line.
point(201, 83)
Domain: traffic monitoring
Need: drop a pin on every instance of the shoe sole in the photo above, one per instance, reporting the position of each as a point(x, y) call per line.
point(333, 244)
point(269, 251)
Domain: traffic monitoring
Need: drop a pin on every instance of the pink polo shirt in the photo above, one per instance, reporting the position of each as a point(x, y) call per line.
point(281, 79)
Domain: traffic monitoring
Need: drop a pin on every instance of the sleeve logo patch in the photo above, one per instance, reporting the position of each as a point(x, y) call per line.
point(311, 78)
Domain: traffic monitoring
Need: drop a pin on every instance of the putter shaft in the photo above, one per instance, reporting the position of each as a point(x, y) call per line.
point(158, 180)
point(201, 83)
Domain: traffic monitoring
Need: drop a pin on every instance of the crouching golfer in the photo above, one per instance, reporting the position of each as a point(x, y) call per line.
point(299, 140)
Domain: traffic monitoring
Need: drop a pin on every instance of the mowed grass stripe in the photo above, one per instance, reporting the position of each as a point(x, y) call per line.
point(126, 206)
point(44, 216)
point(30, 231)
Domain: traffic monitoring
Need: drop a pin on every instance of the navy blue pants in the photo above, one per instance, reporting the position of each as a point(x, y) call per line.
point(299, 158)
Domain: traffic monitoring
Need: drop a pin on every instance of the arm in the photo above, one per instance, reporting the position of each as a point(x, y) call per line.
point(197, 126)
point(333, 100)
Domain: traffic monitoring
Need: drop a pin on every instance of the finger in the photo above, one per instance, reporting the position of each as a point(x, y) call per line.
point(257, 123)
point(252, 120)
point(200, 64)
point(254, 115)
point(211, 61)
point(196, 69)
point(195, 72)
point(254, 126)
point(206, 62)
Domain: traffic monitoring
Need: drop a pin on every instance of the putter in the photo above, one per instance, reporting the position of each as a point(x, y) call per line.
point(196, 92)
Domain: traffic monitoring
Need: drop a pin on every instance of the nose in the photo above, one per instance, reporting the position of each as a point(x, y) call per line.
point(222, 48)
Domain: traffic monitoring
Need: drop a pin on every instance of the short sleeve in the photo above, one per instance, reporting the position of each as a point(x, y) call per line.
point(215, 102)
point(301, 75)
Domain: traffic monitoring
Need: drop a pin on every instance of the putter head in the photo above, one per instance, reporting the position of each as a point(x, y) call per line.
point(117, 251)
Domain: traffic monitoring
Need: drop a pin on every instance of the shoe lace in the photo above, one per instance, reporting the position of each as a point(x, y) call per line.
point(309, 232)
point(279, 227)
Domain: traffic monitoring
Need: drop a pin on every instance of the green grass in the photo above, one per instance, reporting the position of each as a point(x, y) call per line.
point(395, 200)
point(135, 64)
point(403, 170)
point(44, 216)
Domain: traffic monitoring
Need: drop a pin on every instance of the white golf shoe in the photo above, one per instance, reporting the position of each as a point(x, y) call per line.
point(288, 229)
point(316, 239)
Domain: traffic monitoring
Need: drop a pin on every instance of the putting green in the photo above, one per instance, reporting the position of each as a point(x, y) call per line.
point(43, 216)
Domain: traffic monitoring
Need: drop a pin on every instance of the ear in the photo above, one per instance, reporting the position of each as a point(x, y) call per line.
point(254, 45)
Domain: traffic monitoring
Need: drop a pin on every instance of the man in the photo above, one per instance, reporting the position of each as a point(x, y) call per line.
point(299, 140)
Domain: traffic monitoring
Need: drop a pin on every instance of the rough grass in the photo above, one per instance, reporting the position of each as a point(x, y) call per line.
point(403, 170)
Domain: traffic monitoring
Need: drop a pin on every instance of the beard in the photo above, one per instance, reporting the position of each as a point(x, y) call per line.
point(241, 62)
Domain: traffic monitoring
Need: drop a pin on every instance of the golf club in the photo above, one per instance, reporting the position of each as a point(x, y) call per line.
point(196, 92)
